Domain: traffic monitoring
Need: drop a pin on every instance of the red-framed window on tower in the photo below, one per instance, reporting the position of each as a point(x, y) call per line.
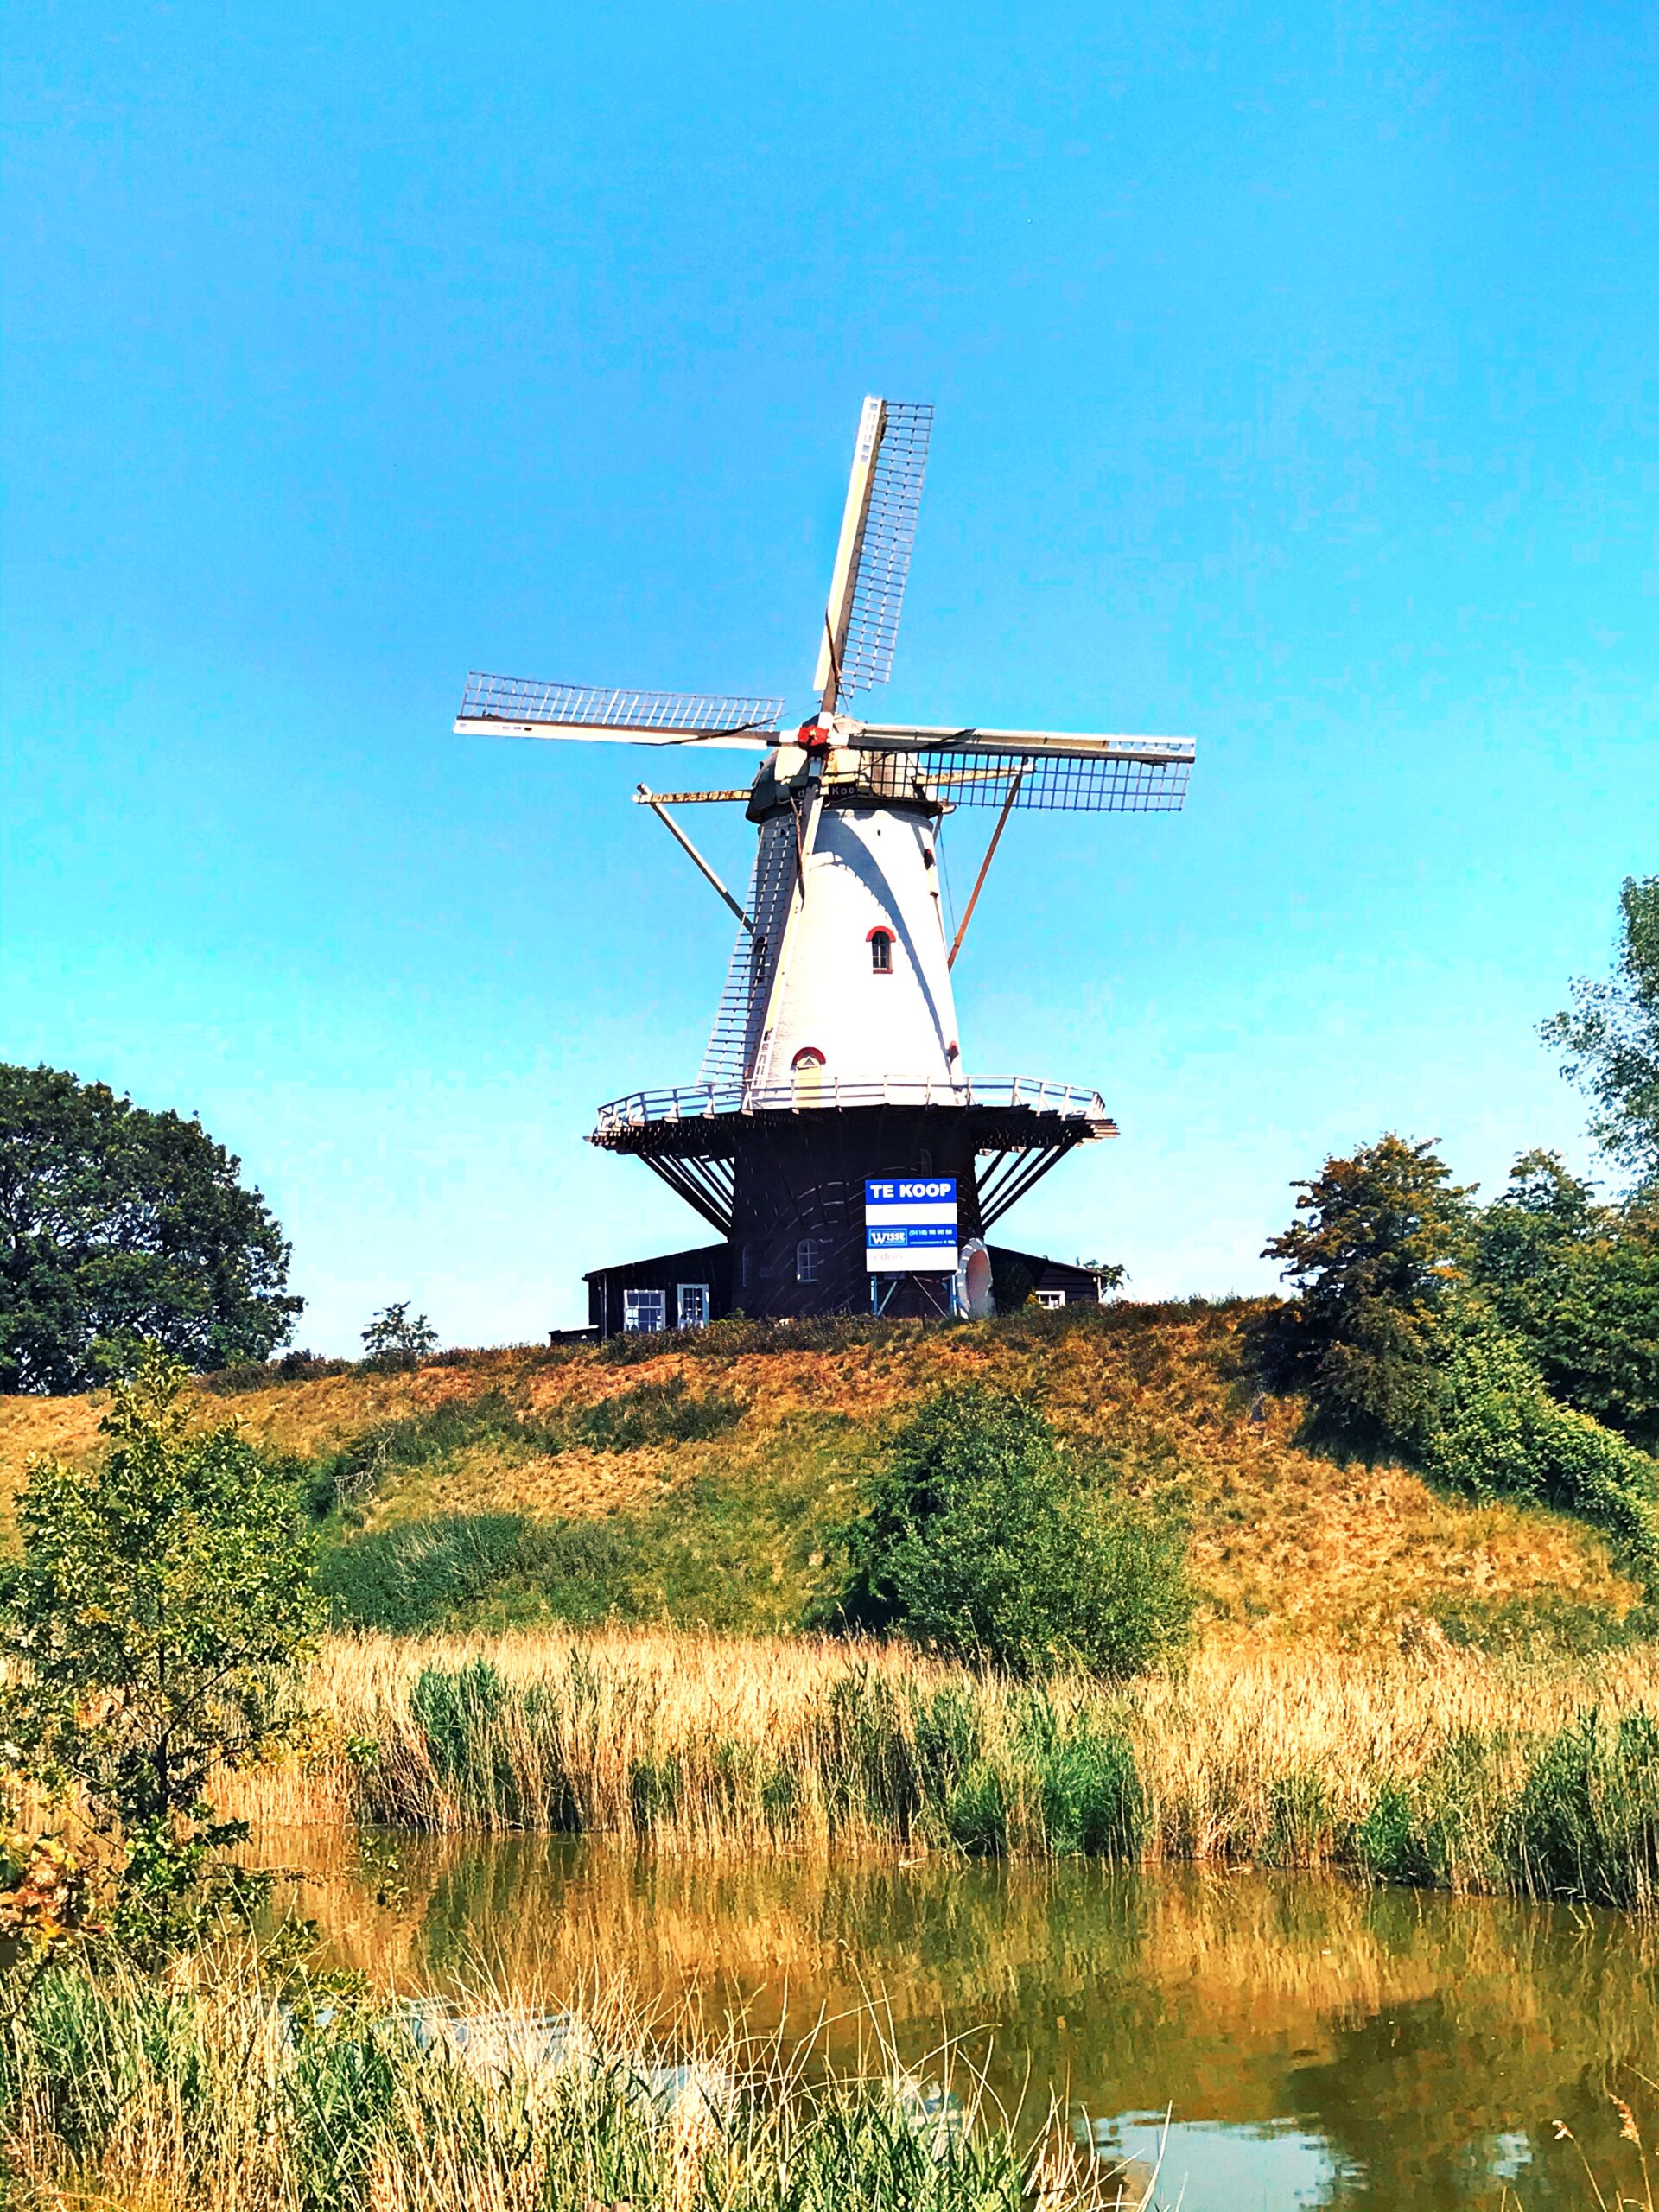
point(881, 941)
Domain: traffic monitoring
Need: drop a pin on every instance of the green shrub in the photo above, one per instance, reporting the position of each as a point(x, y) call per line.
point(975, 1812)
point(868, 1756)
point(263, 1375)
point(450, 1570)
point(1499, 1434)
point(1442, 1828)
point(580, 1572)
point(982, 1540)
point(1587, 1825)
point(1089, 1792)
point(1574, 1815)
point(654, 1413)
point(1301, 1819)
point(497, 1748)
point(1544, 1624)
point(739, 1333)
point(420, 1573)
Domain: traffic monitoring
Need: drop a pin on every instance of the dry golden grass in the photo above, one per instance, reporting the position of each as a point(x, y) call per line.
point(1217, 1749)
point(209, 2095)
point(1280, 1536)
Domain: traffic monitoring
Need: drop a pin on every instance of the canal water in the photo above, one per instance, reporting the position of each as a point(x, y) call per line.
point(1278, 2041)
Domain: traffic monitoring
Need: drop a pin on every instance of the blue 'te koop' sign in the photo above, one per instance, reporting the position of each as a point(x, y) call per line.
point(910, 1225)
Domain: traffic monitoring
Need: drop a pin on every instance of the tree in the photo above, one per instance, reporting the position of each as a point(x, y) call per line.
point(164, 1591)
point(1610, 1036)
point(1501, 1434)
point(1578, 1283)
point(118, 1225)
point(391, 1334)
point(981, 1539)
point(1368, 1265)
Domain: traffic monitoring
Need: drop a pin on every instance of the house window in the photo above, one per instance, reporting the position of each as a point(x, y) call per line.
point(1051, 1299)
point(642, 1312)
point(806, 1260)
point(694, 1306)
point(881, 952)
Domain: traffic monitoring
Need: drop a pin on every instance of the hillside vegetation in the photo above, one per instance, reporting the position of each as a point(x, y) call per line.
point(701, 1480)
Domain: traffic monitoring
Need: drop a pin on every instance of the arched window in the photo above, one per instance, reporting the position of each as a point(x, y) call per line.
point(881, 952)
point(806, 1260)
point(806, 1071)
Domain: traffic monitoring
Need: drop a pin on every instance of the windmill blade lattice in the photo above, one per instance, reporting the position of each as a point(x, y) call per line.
point(592, 709)
point(1059, 786)
point(889, 537)
point(1048, 771)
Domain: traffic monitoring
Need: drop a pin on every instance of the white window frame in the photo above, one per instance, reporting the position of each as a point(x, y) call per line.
point(808, 1253)
point(702, 1293)
point(1050, 1300)
point(635, 1306)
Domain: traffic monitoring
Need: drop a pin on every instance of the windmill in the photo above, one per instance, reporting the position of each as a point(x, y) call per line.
point(836, 1138)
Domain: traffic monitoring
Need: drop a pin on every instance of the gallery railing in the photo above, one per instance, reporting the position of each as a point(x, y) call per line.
point(816, 1089)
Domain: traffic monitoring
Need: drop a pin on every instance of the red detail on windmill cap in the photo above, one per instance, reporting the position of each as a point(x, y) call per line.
point(813, 735)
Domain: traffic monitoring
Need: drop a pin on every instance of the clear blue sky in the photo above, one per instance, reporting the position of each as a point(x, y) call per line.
point(1295, 370)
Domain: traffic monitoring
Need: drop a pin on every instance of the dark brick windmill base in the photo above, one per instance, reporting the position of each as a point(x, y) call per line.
point(787, 1191)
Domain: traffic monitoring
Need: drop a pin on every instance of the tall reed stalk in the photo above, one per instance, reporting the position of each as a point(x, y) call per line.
point(217, 2098)
point(1441, 1766)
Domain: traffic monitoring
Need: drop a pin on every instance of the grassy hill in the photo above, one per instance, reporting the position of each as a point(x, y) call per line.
point(701, 1480)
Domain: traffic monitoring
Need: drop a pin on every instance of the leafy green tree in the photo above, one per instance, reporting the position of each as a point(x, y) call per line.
point(165, 1590)
point(118, 1225)
point(981, 1539)
point(1577, 1282)
point(1425, 1327)
point(1546, 1208)
point(393, 1334)
point(1610, 1036)
point(1500, 1433)
point(1369, 1264)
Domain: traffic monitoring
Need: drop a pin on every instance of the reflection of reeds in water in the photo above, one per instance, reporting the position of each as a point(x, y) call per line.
point(1187, 1978)
point(1401, 2027)
point(131, 2095)
point(1441, 1767)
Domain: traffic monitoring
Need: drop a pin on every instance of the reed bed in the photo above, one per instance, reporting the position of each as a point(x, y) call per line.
point(216, 2097)
point(1439, 1766)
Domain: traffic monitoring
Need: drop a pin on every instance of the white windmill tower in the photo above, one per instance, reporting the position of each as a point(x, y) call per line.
point(834, 1069)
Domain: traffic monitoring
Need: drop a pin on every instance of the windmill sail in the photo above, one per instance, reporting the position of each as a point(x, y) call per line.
point(878, 530)
point(508, 706)
point(1048, 771)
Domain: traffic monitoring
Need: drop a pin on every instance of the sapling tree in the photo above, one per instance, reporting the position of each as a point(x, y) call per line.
point(394, 1333)
point(165, 1590)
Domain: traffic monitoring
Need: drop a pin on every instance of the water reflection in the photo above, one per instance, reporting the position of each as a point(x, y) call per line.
point(1314, 2043)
